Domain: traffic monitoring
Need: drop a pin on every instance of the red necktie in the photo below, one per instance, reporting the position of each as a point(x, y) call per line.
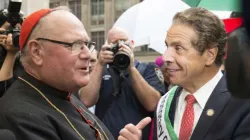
point(187, 121)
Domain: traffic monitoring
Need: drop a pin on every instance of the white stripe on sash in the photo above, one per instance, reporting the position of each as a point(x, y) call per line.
point(162, 132)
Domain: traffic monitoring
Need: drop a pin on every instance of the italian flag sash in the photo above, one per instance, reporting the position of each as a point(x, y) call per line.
point(165, 130)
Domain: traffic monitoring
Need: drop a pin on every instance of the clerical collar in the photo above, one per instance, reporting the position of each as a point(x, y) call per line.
point(45, 88)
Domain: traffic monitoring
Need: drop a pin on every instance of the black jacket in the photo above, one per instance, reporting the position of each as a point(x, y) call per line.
point(230, 121)
point(30, 117)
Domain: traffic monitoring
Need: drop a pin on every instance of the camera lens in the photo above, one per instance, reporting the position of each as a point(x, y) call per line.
point(121, 61)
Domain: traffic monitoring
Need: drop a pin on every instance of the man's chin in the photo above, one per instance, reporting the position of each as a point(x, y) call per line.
point(84, 82)
point(174, 81)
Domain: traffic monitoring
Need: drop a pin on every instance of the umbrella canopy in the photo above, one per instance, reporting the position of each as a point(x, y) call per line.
point(148, 22)
point(220, 5)
point(128, 20)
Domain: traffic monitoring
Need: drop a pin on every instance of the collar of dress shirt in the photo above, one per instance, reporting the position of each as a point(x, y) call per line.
point(202, 94)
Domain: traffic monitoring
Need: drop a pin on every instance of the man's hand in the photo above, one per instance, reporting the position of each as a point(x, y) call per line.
point(6, 41)
point(132, 132)
point(3, 37)
point(105, 55)
point(129, 51)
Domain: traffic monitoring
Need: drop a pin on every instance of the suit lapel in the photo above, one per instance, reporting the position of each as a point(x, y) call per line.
point(214, 106)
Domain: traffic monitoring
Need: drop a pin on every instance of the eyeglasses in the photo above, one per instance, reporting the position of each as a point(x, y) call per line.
point(76, 47)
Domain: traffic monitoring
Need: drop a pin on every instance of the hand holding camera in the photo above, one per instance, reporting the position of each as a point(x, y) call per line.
point(123, 55)
point(119, 54)
point(3, 37)
point(126, 51)
point(12, 18)
point(7, 42)
point(105, 56)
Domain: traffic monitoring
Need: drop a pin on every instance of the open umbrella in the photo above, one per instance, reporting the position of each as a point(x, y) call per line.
point(222, 14)
point(148, 22)
point(220, 5)
point(128, 20)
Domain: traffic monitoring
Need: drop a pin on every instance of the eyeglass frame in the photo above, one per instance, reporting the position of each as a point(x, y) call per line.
point(89, 44)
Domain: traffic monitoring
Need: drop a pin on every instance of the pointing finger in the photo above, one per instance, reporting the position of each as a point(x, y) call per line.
point(143, 123)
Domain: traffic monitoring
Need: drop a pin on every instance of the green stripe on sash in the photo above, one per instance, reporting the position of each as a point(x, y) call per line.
point(170, 128)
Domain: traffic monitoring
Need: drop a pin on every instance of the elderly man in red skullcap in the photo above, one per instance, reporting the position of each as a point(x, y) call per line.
point(55, 54)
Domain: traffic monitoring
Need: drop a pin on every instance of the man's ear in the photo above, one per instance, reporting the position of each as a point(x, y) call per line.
point(132, 44)
point(211, 54)
point(36, 52)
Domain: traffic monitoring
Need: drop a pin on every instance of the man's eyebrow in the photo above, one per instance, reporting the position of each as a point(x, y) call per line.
point(174, 43)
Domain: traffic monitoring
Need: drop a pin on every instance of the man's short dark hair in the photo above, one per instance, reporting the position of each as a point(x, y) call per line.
point(209, 30)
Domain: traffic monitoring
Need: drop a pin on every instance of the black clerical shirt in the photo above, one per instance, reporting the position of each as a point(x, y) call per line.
point(30, 117)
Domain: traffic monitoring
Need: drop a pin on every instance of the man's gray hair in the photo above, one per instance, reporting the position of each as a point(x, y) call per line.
point(208, 27)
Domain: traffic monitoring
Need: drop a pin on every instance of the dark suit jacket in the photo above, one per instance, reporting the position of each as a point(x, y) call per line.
point(6, 135)
point(231, 118)
point(30, 117)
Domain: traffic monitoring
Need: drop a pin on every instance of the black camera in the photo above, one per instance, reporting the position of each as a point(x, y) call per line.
point(121, 58)
point(14, 16)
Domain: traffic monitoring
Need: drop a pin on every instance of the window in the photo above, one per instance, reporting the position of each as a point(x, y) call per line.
point(99, 38)
point(76, 7)
point(120, 7)
point(97, 12)
point(54, 4)
point(97, 7)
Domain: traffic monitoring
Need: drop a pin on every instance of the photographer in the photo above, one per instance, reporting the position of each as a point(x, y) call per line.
point(8, 55)
point(125, 90)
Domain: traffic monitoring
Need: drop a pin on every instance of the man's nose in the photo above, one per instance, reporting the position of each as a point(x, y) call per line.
point(85, 53)
point(168, 56)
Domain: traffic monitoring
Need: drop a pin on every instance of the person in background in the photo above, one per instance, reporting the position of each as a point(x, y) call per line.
point(9, 57)
point(122, 97)
point(162, 65)
point(93, 60)
point(92, 63)
point(234, 22)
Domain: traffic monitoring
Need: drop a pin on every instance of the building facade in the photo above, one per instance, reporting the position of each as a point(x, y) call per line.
point(98, 17)
point(4, 4)
point(28, 6)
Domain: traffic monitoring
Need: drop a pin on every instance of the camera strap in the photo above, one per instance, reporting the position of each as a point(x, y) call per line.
point(115, 81)
point(118, 78)
point(116, 87)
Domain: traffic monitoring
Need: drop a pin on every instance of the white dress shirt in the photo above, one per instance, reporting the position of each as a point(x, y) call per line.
point(201, 96)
